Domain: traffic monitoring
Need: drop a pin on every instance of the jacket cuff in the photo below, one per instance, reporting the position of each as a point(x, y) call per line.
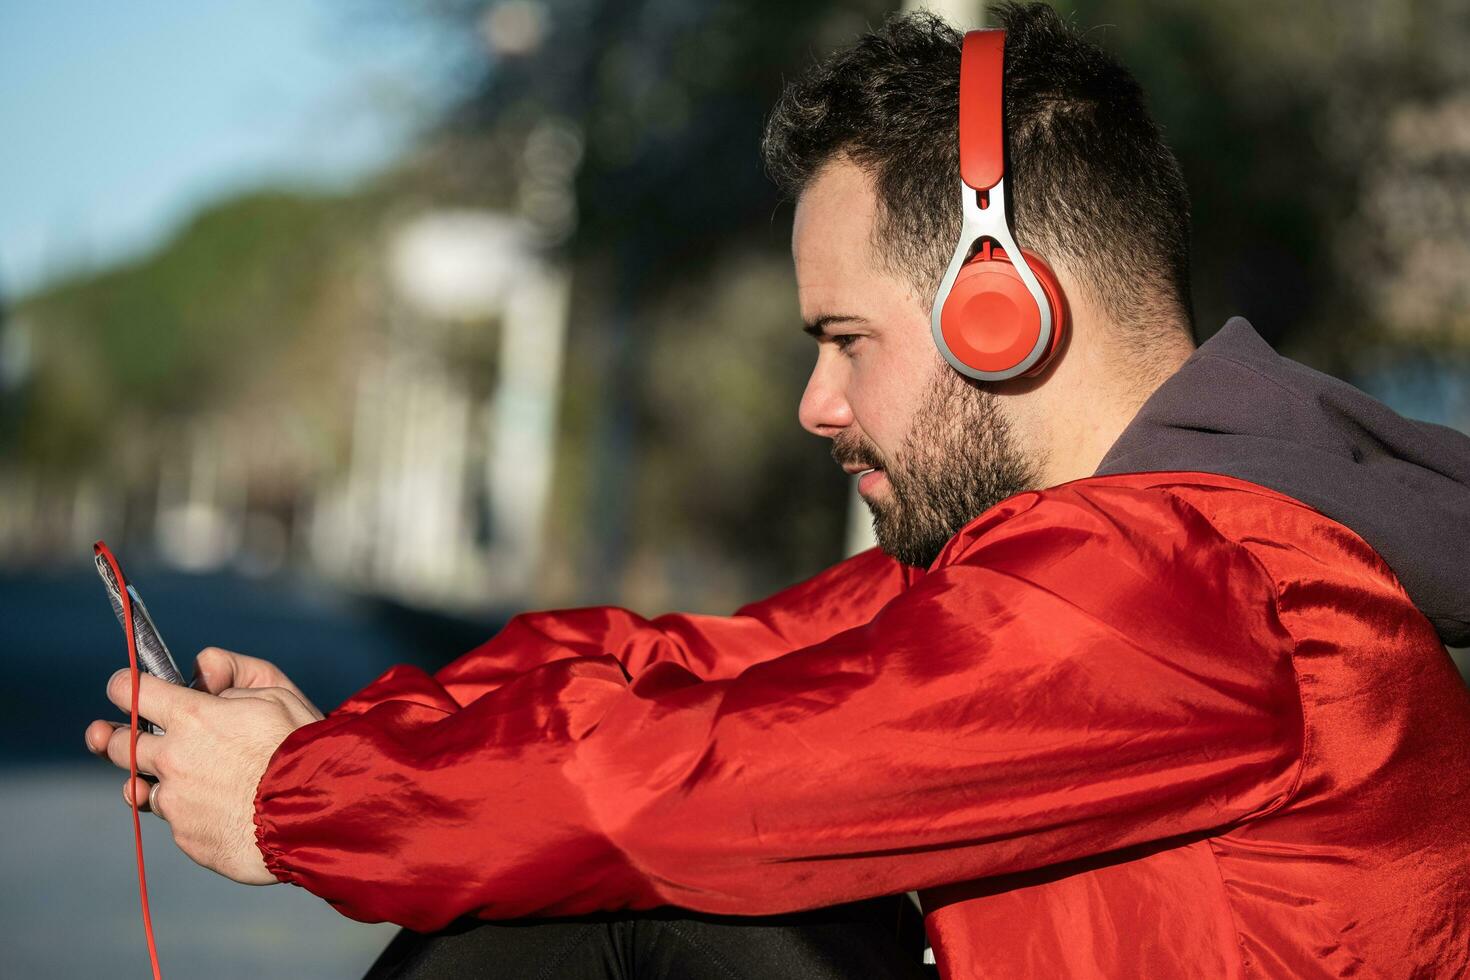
point(288, 767)
point(274, 858)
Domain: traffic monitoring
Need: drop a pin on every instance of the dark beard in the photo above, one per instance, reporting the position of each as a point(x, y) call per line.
point(959, 459)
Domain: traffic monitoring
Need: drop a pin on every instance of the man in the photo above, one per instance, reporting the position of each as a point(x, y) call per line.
point(1147, 677)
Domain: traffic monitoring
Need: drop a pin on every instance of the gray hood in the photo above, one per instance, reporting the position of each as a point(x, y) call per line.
point(1238, 408)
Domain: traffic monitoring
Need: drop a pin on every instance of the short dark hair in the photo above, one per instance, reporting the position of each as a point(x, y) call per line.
point(1094, 184)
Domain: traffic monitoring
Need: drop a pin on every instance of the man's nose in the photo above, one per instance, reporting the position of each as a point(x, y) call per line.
point(824, 410)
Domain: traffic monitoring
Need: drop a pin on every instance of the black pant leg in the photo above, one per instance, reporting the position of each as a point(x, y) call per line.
point(585, 948)
point(856, 941)
point(866, 940)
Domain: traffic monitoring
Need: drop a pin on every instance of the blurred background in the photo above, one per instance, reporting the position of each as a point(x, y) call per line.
point(354, 326)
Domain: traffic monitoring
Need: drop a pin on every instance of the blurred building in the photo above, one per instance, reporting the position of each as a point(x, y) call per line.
point(445, 492)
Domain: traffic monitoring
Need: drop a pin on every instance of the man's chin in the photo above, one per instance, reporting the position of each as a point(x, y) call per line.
point(896, 540)
point(907, 552)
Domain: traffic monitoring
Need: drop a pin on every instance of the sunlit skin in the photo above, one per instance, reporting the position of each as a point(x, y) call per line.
point(216, 744)
point(876, 356)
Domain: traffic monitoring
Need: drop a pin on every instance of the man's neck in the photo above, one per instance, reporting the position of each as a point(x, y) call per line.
point(1080, 436)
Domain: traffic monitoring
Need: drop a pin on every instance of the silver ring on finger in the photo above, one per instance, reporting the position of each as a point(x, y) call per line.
point(153, 803)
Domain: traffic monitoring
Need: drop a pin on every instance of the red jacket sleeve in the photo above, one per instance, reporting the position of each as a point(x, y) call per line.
point(1083, 669)
point(710, 647)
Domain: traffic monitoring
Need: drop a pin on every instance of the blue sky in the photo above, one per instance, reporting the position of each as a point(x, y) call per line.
point(119, 118)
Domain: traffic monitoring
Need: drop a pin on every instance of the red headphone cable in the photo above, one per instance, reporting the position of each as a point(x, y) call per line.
point(127, 605)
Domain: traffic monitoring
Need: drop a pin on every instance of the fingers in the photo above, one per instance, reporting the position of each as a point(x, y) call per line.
point(97, 734)
point(158, 700)
point(143, 790)
point(117, 748)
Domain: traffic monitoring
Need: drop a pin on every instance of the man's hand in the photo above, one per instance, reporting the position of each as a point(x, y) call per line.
point(216, 669)
point(208, 762)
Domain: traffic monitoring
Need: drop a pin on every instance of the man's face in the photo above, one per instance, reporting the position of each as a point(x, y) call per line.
point(941, 450)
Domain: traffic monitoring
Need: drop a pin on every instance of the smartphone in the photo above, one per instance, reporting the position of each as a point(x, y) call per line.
point(153, 655)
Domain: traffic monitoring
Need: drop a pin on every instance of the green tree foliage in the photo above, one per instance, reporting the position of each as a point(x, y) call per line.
point(1308, 201)
point(181, 331)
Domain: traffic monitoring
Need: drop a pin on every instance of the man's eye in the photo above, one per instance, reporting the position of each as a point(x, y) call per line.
point(844, 341)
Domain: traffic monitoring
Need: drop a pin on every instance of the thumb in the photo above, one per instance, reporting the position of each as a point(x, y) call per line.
point(275, 695)
point(214, 670)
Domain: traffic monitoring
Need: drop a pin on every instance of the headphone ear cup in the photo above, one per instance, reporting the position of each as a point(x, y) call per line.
point(990, 321)
point(1060, 321)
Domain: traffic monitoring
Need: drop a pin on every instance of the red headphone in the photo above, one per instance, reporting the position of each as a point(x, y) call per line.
point(994, 318)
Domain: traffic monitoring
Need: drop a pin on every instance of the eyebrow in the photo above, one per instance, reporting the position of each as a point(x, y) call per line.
point(818, 327)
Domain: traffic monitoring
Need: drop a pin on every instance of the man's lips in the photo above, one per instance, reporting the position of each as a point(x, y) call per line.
point(868, 476)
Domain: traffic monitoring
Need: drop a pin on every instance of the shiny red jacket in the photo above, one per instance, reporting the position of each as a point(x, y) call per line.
point(1138, 725)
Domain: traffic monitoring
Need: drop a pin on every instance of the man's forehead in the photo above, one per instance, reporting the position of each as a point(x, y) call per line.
point(832, 241)
point(834, 213)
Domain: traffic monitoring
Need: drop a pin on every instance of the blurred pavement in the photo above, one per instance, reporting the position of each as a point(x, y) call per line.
point(72, 908)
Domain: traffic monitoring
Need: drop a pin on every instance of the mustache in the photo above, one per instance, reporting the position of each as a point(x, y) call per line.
point(855, 450)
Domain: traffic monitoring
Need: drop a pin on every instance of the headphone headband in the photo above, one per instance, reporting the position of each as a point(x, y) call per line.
point(999, 312)
point(982, 151)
